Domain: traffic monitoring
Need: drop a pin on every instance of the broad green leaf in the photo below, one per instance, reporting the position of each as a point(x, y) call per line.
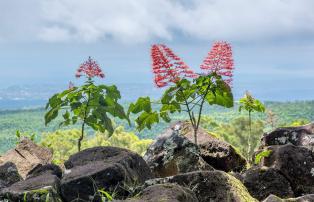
point(142, 104)
point(146, 120)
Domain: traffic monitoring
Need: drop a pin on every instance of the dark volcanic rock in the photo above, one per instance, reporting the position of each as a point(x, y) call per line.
point(217, 153)
point(305, 198)
point(210, 186)
point(36, 189)
point(164, 193)
point(263, 181)
point(41, 169)
point(8, 175)
point(172, 154)
point(109, 168)
point(296, 164)
point(298, 136)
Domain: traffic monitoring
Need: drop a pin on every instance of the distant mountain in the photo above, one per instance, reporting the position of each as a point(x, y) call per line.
point(32, 96)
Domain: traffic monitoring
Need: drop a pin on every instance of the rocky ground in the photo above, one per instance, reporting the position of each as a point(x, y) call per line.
point(173, 169)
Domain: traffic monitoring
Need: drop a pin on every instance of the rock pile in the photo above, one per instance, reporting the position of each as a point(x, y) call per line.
point(174, 169)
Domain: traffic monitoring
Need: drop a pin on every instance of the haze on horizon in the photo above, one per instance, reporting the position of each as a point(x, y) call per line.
point(44, 41)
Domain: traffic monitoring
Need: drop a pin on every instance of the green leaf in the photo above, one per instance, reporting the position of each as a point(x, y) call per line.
point(146, 120)
point(105, 194)
point(142, 104)
point(259, 156)
point(50, 115)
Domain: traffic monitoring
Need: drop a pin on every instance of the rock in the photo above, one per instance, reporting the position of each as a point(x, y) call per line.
point(305, 198)
point(8, 175)
point(40, 188)
point(217, 153)
point(172, 154)
point(210, 186)
point(26, 156)
point(263, 181)
point(298, 136)
point(41, 169)
point(102, 168)
point(296, 164)
point(164, 193)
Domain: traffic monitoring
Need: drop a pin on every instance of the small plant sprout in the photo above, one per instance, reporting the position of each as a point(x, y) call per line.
point(90, 104)
point(187, 91)
point(250, 104)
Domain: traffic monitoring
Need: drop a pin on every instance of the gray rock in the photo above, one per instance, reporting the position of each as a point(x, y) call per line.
point(172, 154)
point(263, 181)
point(298, 136)
point(296, 164)
point(37, 189)
point(216, 152)
point(41, 169)
point(102, 168)
point(305, 198)
point(8, 175)
point(26, 156)
point(210, 186)
point(164, 193)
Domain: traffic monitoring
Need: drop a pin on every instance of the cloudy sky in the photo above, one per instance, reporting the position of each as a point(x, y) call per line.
point(44, 41)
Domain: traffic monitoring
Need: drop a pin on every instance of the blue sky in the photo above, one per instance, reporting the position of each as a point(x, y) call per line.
point(44, 41)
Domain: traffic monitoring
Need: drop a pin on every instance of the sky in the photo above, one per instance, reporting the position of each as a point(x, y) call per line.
point(44, 41)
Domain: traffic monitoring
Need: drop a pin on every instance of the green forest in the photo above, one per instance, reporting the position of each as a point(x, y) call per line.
point(228, 124)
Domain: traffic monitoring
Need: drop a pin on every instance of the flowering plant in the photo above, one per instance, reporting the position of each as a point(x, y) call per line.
point(89, 104)
point(187, 91)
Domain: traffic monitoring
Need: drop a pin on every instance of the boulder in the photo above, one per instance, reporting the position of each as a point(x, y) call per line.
point(298, 136)
point(172, 154)
point(26, 156)
point(216, 152)
point(8, 175)
point(305, 198)
point(42, 169)
point(102, 168)
point(295, 163)
point(210, 186)
point(164, 193)
point(263, 181)
point(37, 189)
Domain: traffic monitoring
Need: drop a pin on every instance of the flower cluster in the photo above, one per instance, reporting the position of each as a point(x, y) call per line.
point(90, 68)
point(219, 60)
point(168, 67)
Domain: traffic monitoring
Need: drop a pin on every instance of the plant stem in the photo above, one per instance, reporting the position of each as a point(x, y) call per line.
point(79, 143)
point(249, 138)
point(200, 114)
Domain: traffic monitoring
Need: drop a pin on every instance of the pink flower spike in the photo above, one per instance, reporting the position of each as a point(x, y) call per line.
point(219, 60)
point(90, 68)
point(168, 67)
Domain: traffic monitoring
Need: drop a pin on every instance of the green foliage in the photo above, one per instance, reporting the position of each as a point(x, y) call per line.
point(250, 104)
point(186, 95)
point(236, 132)
point(62, 143)
point(298, 122)
point(259, 156)
point(29, 121)
point(105, 196)
point(91, 104)
point(20, 136)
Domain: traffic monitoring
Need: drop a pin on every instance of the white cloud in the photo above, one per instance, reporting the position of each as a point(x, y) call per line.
point(141, 20)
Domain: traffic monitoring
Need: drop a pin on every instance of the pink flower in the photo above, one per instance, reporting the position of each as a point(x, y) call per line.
point(90, 68)
point(219, 60)
point(168, 67)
